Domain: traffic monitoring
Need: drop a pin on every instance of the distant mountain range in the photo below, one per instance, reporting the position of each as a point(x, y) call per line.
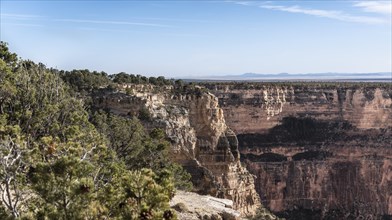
point(380, 76)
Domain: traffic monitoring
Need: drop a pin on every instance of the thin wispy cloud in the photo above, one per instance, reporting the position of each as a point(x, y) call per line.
point(172, 19)
point(337, 15)
point(382, 7)
point(106, 30)
point(138, 32)
point(20, 16)
point(113, 22)
point(185, 35)
point(99, 29)
point(248, 3)
point(20, 20)
point(22, 24)
point(241, 3)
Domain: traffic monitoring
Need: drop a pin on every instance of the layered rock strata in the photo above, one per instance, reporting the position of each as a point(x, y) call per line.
point(201, 140)
point(263, 108)
point(317, 152)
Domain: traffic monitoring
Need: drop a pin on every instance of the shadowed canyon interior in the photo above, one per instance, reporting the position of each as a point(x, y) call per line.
point(317, 152)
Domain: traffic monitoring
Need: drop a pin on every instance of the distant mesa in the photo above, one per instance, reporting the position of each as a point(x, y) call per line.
point(261, 75)
point(378, 76)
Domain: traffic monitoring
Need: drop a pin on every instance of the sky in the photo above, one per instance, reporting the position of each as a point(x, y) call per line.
point(202, 38)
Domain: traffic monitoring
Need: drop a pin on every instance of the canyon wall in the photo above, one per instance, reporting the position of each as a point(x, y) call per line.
point(318, 152)
point(201, 141)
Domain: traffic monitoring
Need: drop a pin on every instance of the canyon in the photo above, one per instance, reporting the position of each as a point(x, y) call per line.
point(305, 151)
point(318, 152)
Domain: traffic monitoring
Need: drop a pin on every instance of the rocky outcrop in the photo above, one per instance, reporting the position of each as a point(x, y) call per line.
point(318, 152)
point(192, 206)
point(201, 140)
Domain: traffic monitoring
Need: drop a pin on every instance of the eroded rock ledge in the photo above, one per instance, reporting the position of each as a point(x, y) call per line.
point(201, 140)
point(192, 206)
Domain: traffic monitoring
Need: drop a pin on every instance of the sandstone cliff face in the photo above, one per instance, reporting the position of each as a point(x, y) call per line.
point(262, 109)
point(201, 140)
point(317, 152)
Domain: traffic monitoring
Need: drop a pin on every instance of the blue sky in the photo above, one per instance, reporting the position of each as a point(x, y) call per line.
point(202, 38)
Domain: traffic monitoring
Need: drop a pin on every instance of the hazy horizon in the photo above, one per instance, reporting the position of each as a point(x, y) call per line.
point(202, 38)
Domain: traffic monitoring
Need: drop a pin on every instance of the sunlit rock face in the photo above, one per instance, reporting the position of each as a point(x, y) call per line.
point(201, 140)
point(192, 206)
point(317, 152)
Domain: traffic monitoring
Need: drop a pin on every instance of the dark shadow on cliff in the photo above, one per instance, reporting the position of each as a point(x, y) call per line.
point(332, 214)
point(312, 155)
point(300, 214)
point(300, 131)
point(266, 157)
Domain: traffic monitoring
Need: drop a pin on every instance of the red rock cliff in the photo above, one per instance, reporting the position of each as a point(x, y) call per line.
point(317, 152)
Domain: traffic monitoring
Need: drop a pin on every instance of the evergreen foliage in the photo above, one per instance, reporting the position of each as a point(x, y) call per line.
point(55, 164)
point(139, 149)
point(85, 81)
point(124, 78)
point(6, 56)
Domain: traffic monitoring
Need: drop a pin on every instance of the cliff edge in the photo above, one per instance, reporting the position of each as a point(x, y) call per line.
point(319, 152)
point(201, 141)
